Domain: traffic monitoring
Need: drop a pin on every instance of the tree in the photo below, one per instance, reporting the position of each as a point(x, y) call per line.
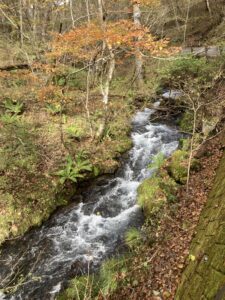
point(138, 54)
point(101, 41)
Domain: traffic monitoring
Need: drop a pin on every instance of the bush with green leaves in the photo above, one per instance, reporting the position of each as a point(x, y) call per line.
point(80, 288)
point(75, 169)
point(108, 274)
point(70, 77)
point(187, 121)
point(189, 66)
point(13, 107)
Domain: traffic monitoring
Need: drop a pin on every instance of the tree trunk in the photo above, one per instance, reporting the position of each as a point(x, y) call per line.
point(138, 54)
point(87, 100)
point(35, 20)
point(71, 12)
point(208, 7)
point(186, 21)
point(88, 10)
point(21, 22)
point(105, 85)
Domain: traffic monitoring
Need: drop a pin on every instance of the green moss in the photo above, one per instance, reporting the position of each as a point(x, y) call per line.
point(186, 122)
point(133, 238)
point(103, 283)
point(150, 195)
point(154, 192)
point(79, 288)
point(124, 144)
point(178, 166)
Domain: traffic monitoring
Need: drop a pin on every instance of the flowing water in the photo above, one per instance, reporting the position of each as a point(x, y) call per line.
point(81, 236)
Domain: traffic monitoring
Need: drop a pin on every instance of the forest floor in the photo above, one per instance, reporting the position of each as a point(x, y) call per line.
point(30, 190)
point(156, 270)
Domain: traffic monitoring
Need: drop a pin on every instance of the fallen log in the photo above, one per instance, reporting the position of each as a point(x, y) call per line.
point(15, 67)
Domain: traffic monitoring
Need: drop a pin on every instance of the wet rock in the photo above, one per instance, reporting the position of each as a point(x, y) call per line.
point(172, 94)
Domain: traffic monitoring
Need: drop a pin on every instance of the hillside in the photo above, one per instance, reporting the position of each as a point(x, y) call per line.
point(112, 126)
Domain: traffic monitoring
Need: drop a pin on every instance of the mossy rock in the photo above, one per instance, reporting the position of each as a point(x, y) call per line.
point(154, 192)
point(178, 166)
point(186, 122)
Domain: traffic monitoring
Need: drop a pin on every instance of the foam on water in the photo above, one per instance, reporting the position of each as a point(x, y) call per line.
point(85, 234)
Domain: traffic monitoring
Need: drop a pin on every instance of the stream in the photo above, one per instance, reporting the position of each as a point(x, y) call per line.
point(81, 236)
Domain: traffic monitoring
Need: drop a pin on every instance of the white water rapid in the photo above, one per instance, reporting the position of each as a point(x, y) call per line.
point(83, 235)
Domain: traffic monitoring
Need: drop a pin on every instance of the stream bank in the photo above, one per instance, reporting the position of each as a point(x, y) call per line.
point(157, 265)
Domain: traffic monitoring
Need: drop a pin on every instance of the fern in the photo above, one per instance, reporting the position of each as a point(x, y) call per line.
point(13, 107)
point(9, 119)
point(53, 109)
point(74, 169)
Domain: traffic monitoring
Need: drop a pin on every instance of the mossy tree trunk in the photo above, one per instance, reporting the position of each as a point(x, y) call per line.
point(204, 277)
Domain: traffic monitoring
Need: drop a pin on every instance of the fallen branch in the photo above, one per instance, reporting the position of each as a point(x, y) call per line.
point(15, 67)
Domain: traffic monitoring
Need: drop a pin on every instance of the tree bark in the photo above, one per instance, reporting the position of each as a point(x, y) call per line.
point(88, 10)
point(138, 54)
point(71, 12)
point(21, 22)
point(105, 85)
point(186, 21)
point(208, 7)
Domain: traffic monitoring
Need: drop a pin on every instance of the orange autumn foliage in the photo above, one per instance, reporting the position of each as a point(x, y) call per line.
point(82, 43)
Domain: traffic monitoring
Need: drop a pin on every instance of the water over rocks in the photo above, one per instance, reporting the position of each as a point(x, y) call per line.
point(81, 236)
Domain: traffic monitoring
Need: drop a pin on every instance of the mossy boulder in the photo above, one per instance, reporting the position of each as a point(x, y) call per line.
point(154, 192)
point(186, 122)
point(178, 166)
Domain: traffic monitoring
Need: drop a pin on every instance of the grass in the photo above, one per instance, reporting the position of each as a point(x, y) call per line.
point(100, 284)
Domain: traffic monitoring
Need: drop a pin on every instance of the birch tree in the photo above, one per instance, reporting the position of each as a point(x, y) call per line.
point(138, 54)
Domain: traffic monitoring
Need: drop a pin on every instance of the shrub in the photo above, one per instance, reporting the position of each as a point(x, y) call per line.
point(109, 272)
point(89, 287)
point(80, 288)
point(189, 67)
point(9, 119)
